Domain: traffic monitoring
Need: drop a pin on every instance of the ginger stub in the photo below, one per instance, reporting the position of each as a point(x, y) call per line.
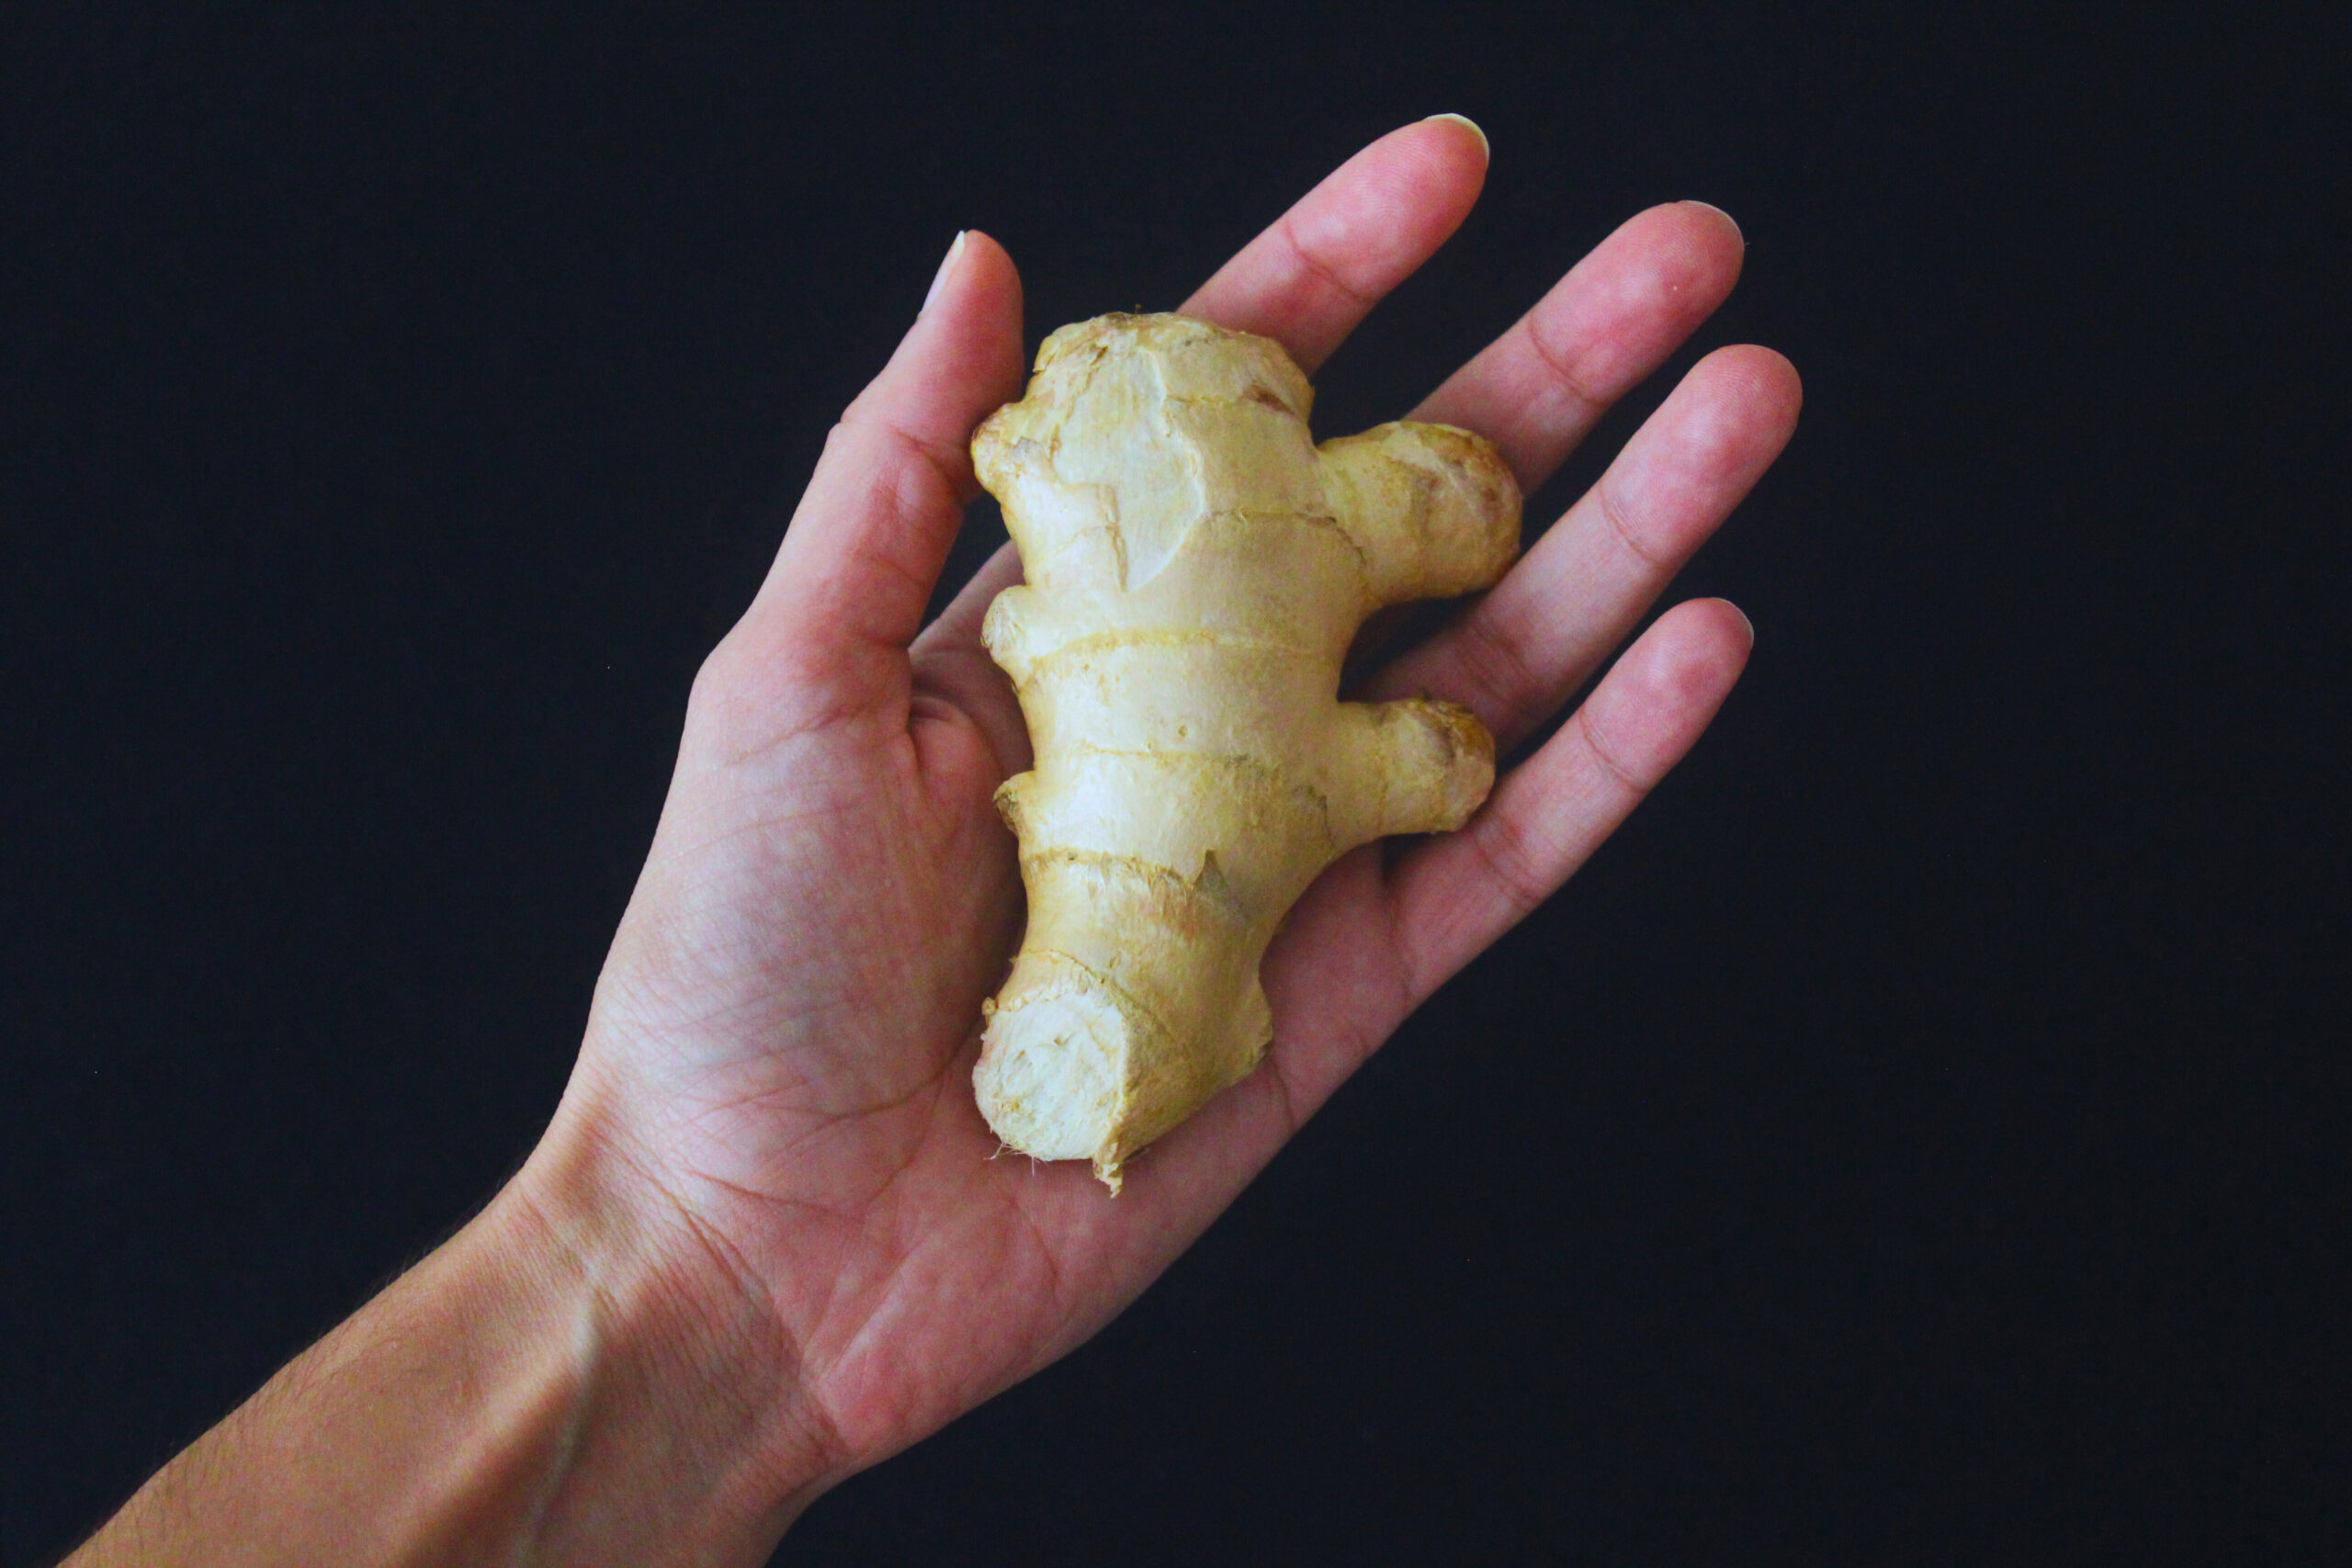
point(1196, 569)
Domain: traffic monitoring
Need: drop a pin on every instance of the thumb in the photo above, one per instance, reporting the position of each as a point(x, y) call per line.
point(867, 544)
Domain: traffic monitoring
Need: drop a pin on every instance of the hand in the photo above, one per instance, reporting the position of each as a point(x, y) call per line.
point(779, 1061)
point(768, 1240)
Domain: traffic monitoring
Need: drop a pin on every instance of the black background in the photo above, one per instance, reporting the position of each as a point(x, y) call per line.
point(1918, 1136)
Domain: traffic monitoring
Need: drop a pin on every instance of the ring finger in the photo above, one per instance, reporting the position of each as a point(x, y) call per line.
point(1514, 657)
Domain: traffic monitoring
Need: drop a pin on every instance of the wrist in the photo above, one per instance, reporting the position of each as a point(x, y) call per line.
point(574, 1377)
point(693, 1435)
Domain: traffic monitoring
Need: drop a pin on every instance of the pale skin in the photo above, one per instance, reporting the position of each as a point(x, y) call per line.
point(766, 1241)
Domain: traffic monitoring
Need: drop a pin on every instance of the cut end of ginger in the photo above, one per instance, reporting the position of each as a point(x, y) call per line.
point(1052, 1076)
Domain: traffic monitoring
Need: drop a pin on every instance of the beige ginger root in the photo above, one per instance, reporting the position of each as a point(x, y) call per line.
point(1196, 567)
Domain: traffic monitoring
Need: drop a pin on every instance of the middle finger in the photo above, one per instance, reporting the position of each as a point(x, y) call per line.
point(1536, 390)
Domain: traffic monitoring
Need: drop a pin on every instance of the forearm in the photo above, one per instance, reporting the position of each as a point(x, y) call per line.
point(565, 1381)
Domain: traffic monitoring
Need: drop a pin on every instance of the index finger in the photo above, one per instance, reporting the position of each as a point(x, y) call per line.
point(1312, 276)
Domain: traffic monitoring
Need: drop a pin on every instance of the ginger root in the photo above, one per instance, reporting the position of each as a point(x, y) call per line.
point(1196, 569)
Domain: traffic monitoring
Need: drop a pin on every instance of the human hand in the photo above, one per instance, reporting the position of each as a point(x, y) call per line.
point(776, 1078)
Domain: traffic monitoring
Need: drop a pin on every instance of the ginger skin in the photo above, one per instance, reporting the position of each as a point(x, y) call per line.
point(1196, 569)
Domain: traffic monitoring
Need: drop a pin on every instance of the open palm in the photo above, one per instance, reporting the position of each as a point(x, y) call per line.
point(783, 1040)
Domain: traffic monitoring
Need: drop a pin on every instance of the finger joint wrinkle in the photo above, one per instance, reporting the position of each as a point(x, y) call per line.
point(1609, 763)
point(1556, 362)
point(951, 461)
point(1614, 515)
point(1502, 843)
point(1497, 667)
point(1321, 270)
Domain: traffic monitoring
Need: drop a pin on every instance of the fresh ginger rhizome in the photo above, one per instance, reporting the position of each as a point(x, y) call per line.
point(1196, 569)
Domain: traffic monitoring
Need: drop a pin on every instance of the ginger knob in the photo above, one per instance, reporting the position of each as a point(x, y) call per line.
point(1196, 569)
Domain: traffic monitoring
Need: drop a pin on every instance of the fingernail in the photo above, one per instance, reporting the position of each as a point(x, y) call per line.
point(1694, 201)
point(1465, 119)
point(954, 254)
point(1744, 622)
